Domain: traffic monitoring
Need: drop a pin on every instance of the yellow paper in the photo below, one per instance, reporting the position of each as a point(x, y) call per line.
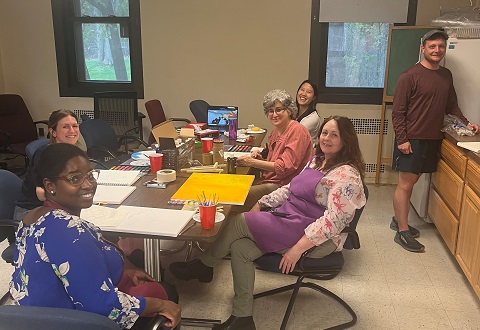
point(228, 188)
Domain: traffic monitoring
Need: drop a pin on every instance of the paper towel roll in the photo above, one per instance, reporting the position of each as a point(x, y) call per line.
point(166, 175)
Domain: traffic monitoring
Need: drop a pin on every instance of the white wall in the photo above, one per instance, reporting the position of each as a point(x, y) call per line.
point(224, 51)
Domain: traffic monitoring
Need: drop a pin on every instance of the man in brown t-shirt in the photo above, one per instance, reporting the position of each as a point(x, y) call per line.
point(423, 95)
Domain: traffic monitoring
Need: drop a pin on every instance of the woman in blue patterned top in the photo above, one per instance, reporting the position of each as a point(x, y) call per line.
point(63, 261)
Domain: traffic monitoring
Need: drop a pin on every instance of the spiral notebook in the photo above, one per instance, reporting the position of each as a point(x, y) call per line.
point(118, 178)
point(112, 194)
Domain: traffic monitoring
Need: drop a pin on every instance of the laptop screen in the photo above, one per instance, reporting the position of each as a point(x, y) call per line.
point(217, 116)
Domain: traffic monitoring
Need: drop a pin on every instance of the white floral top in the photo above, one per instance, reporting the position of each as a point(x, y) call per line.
point(340, 191)
point(61, 261)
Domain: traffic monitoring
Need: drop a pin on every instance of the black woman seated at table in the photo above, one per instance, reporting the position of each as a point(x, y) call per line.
point(63, 128)
point(63, 261)
point(310, 211)
point(289, 149)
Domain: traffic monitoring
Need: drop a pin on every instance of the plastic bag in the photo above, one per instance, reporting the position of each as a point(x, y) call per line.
point(453, 124)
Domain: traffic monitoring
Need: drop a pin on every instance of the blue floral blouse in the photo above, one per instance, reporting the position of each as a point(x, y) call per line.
point(61, 261)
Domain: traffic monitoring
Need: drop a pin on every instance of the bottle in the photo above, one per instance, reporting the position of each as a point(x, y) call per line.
point(232, 126)
point(218, 151)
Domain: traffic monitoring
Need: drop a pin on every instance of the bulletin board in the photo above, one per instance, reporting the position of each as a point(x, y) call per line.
point(228, 188)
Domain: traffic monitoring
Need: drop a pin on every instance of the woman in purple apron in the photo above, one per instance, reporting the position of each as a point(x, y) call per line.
point(310, 211)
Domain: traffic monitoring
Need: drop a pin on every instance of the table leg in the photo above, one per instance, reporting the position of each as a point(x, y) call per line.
point(152, 258)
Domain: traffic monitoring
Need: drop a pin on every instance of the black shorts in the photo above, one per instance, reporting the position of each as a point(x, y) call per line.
point(424, 158)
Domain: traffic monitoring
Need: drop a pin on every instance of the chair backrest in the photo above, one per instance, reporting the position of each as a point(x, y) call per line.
point(156, 115)
point(352, 241)
point(49, 318)
point(119, 109)
point(15, 119)
point(199, 109)
point(97, 132)
point(9, 193)
point(33, 146)
point(155, 112)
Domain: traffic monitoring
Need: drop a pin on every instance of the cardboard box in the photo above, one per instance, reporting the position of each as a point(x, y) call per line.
point(176, 154)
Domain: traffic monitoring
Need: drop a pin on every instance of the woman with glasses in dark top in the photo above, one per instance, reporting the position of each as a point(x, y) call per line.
point(63, 261)
point(289, 148)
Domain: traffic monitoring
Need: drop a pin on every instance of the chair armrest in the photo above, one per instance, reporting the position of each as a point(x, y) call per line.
point(157, 322)
point(101, 149)
point(41, 122)
point(122, 139)
point(9, 223)
point(102, 165)
point(353, 236)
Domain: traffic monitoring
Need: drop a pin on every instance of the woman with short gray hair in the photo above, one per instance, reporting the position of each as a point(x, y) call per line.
point(288, 149)
point(284, 98)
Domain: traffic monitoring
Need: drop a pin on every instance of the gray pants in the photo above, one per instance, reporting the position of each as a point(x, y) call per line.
point(237, 240)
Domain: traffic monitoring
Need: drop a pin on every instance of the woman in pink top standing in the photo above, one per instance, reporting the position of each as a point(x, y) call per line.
point(288, 150)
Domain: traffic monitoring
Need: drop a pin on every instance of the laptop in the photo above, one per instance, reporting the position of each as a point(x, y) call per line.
point(217, 117)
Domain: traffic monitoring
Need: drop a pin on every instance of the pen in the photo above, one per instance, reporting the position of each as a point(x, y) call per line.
point(279, 214)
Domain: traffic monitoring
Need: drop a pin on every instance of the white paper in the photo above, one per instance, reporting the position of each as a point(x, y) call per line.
point(112, 194)
point(103, 216)
point(153, 221)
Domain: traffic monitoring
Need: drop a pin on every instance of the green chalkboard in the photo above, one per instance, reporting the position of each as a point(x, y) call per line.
point(403, 51)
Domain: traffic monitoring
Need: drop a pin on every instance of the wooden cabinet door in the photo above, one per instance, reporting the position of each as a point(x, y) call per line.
point(445, 221)
point(468, 242)
point(449, 185)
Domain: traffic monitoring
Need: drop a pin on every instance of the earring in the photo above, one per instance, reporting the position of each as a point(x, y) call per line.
point(52, 192)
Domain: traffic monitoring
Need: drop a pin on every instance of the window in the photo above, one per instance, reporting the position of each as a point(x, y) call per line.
point(347, 59)
point(98, 46)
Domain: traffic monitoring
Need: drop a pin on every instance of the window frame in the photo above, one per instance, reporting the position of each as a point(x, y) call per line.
point(318, 63)
point(69, 84)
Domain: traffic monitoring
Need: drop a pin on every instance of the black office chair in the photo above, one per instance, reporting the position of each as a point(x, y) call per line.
point(17, 128)
point(199, 109)
point(9, 192)
point(102, 141)
point(324, 268)
point(157, 116)
point(120, 110)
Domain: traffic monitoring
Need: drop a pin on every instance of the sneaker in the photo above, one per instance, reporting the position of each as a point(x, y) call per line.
point(414, 232)
point(408, 242)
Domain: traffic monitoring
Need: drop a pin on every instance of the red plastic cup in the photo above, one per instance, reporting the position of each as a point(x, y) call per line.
point(207, 144)
point(207, 216)
point(156, 162)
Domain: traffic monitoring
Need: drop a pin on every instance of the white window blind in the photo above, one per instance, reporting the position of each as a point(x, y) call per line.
point(363, 11)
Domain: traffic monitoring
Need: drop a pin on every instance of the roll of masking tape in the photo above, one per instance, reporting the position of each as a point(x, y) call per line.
point(166, 175)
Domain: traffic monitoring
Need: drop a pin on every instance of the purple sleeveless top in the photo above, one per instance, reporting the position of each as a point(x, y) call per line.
point(274, 233)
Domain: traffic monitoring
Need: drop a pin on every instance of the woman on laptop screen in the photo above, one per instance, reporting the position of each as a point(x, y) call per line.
point(288, 149)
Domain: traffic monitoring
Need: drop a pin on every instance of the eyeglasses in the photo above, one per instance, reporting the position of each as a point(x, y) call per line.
point(277, 111)
point(78, 179)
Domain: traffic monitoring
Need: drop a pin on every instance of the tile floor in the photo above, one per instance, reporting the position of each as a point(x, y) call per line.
point(388, 287)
